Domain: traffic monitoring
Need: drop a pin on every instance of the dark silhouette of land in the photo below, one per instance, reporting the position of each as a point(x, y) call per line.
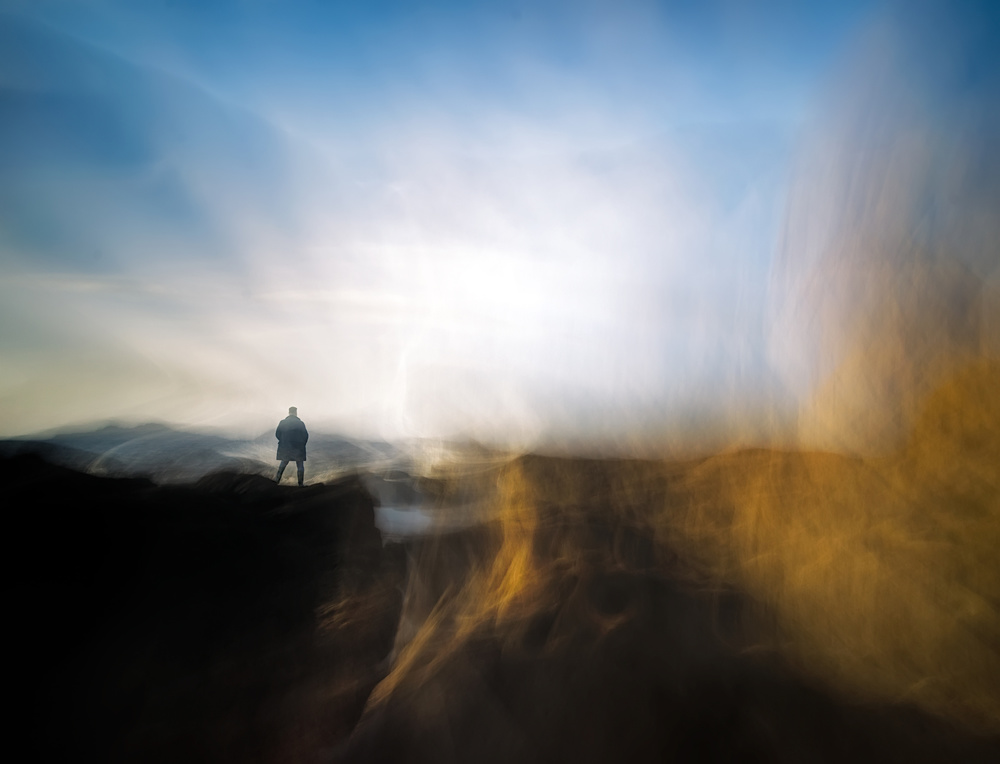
point(751, 606)
point(190, 623)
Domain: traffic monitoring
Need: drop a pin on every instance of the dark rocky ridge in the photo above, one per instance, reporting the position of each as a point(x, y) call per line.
point(188, 623)
point(233, 620)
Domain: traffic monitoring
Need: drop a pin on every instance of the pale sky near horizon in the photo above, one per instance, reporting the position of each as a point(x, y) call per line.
point(511, 221)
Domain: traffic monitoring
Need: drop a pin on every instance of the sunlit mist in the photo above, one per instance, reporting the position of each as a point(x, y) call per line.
point(553, 225)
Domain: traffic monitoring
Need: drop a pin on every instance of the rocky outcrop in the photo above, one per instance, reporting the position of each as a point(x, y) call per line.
point(190, 623)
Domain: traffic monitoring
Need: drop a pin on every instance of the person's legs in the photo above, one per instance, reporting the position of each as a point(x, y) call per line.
point(302, 471)
point(281, 469)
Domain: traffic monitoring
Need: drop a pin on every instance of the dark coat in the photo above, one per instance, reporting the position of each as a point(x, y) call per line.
point(292, 437)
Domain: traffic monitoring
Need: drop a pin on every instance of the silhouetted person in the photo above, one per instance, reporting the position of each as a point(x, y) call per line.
point(292, 437)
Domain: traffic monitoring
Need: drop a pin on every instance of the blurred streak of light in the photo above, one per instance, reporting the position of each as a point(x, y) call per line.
point(872, 563)
point(876, 576)
point(886, 277)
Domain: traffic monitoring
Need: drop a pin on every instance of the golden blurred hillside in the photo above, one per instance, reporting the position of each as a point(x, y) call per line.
point(877, 577)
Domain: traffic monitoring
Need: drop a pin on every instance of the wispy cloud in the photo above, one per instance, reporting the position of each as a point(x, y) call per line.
point(503, 226)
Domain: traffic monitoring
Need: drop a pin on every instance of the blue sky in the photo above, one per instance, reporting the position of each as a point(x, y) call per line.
point(516, 221)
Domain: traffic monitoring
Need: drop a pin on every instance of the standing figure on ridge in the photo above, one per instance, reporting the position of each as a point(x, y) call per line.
point(292, 437)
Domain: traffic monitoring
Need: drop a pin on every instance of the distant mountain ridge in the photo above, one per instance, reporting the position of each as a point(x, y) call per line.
point(168, 455)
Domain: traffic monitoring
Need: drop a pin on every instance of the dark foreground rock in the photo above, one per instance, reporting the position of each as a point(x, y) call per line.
point(213, 622)
point(237, 621)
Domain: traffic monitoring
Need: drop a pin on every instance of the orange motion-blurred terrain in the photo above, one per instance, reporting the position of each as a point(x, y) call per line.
point(753, 605)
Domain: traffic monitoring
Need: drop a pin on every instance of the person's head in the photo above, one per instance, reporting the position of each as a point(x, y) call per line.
point(292, 411)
